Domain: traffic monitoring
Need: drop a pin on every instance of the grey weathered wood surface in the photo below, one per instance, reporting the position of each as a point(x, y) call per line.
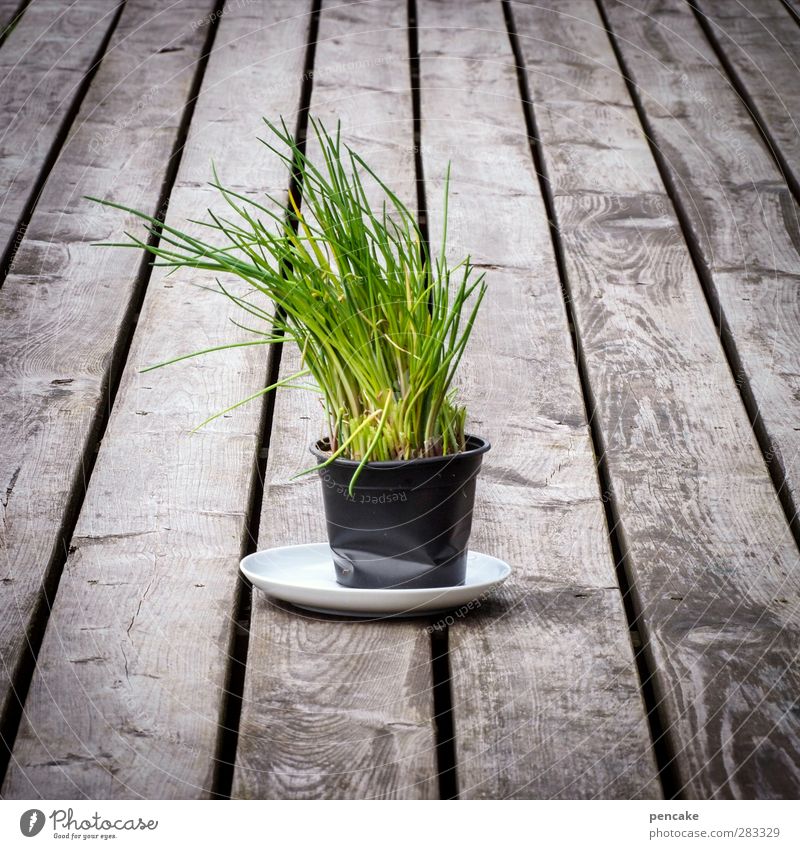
point(127, 696)
point(714, 565)
point(762, 48)
point(532, 718)
point(794, 7)
point(129, 693)
point(9, 15)
point(64, 308)
point(337, 709)
point(739, 212)
point(42, 64)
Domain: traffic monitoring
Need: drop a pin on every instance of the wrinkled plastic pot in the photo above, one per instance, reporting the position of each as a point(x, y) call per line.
point(407, 523)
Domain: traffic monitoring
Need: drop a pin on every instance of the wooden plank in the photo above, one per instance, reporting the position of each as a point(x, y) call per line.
point(42, 66)
point(794, 7)
point(761, 45)
point(65, 304)
point(712, 561)
point(127, 695)
point(750, 255)
point(10, 13)
point(337, 708)
point(545, 692)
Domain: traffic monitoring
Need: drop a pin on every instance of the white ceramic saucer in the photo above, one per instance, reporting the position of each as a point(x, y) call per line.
point(304, 575)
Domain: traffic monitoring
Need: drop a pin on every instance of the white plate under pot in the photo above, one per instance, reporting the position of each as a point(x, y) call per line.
point(304, 575)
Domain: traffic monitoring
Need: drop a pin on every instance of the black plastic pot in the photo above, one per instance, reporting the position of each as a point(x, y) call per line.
point(407, 523)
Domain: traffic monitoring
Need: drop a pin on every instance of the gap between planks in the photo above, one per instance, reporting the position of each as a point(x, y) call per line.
point(772, 459)
point(441, 673)
point(243, 607)
point(662, 749)
point(790, 170)
point(15, 231)
point(10, 14)
point(21, 679)
point(793, 7)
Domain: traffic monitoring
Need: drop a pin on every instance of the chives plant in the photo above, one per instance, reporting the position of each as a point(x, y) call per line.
point(381, 325)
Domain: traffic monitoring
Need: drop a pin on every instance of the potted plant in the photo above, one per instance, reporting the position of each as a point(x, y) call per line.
point(381, 326)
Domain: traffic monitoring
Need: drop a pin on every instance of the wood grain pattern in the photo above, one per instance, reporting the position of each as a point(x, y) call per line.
point(740, 214)
point(794, 7)
point(761, 44)
point(127, 695)
point(714, 565)
point(42, 65)
point(545, 693)
point(335, 708)
point(9, 16)
point(65, 305)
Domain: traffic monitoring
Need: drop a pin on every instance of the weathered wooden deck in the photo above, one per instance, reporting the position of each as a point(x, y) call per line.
point(629, 174)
